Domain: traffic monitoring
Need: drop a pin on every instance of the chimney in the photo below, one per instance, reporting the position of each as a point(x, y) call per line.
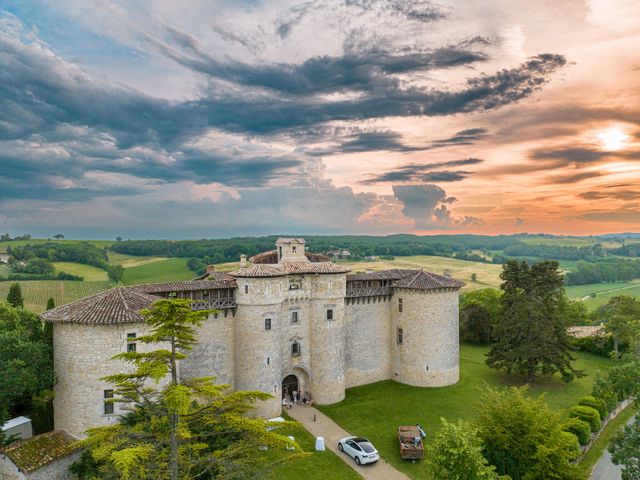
point(243, 261)
point(211, 269)
point(447, 272)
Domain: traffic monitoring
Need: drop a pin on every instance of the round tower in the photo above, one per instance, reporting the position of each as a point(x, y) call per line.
point(256, 349)
point(327, 338)
point(425, 334)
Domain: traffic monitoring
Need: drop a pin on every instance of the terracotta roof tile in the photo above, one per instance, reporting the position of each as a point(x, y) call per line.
point(271, 257)
point(422, 280)
point(36, 452)
point(221, 281)
point(118, 305)
point(289, 268)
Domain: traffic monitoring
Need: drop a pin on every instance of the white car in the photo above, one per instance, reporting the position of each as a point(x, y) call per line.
point(360, 449)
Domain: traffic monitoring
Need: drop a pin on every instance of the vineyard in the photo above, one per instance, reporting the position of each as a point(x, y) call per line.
point(36, 293)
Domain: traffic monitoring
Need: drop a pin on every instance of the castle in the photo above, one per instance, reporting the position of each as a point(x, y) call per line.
point(287, 320)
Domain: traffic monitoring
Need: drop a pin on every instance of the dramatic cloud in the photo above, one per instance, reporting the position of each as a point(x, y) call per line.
point(424, 172)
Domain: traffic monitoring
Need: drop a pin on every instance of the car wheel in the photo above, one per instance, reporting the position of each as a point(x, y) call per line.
point(358, 461)
point(340, 447)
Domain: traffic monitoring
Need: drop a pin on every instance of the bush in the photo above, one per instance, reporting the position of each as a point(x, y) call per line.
point(579, 428)
point(587, 414)
point(570, 444)
point(601, 345)
point(603, 390)
point(593, 402)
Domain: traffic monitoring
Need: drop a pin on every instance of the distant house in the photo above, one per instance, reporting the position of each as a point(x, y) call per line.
point(4, 258)
point(46, 456)
point(586, 331)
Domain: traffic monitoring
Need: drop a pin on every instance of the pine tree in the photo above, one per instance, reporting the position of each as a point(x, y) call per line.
point(531, 334)
point(177, 428)
point(51, 304)
point(15, 296)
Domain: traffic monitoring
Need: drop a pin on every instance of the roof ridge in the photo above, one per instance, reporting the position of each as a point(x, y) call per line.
point(434, 277)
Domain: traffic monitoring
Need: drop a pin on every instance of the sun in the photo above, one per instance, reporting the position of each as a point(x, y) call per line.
point(612, 139)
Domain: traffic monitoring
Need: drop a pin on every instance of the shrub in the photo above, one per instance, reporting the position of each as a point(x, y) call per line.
point(593, 402)
point(601, 345)
point(570, 444)
point(587, 414)
point(603, 390)
point(579, 428)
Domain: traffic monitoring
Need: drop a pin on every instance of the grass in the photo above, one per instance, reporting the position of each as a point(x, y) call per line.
point(128, 261)
point(36, 293)
point(595, 452)
point(315, 466)
point(488, 275)
point(376, 410)
point(164, 270)
point(4, 270)
point(88, 272)
point(603, 291)
point(632, 290)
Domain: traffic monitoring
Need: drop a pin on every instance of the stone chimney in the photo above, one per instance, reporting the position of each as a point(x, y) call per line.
point(211, 269)
point(243, 261)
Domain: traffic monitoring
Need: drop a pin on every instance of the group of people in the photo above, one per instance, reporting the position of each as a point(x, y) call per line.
point(295, 398)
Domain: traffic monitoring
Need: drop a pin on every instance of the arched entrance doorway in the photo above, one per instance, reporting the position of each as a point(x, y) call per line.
point(289, 385)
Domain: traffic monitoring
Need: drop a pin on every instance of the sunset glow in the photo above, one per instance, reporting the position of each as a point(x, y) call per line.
point(613, 139)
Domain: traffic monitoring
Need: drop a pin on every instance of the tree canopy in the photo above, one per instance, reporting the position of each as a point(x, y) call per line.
point(530, 334)
point(14, 297)
point(625, 450)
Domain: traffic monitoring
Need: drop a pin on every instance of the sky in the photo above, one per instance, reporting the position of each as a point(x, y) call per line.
point(202, 119)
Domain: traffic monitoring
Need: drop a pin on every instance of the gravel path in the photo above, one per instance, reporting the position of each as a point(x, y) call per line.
point(605, 469)
point(324, 427)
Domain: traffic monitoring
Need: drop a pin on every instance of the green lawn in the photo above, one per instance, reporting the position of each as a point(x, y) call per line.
point(315, 466)
point(128, 261)
point(376, 410)
point(4, 270)
point(164, 270)
point(36, 293)
point(88, 272)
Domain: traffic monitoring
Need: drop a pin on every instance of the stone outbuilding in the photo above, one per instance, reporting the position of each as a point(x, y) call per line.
point(287, 320)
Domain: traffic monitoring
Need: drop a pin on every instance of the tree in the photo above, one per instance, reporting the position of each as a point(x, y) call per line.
point(51, 304)
point(177, 428)
point(14, 297)
point(524, 438)
point(625, 450)
point(478, 312)
point(455, 453)
point(115, 273)
point(531, 335)
point(25, 361)
point(118, 239)
point(474, 277)
point(58, 236)
point(621, 315)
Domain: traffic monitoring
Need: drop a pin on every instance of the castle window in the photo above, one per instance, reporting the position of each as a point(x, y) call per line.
point(399, 335)
point(246, 289)
point(268, 360)
point(131, 342)
point(295, 349)
point(294, 317)
point(108, 406)
point(294, 249)
point(330, 314)
point(400, 305)
point(267, 324)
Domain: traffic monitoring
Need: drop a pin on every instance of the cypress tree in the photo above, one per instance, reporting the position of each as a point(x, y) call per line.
point(51, 304)
point(15, 296)
point(530, 334)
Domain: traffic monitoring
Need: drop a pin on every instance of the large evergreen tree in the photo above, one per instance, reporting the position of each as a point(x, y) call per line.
point(530, 335)
point(14, 297)
point(176, 428)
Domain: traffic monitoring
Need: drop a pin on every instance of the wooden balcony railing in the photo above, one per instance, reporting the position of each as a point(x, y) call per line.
point(223, 302)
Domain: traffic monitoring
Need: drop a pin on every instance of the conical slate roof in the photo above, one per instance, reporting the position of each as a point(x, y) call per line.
point(422, 280)
point(118, 305)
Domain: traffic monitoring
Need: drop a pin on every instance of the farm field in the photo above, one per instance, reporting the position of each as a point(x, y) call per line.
point(36, 293)
point(88, 272)
point(632, 289)
point(128, 261)
point(488, 274)
point(163, 270)
point(376, 410)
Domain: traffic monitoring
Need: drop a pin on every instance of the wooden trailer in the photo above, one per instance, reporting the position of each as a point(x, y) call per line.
point(411, 447)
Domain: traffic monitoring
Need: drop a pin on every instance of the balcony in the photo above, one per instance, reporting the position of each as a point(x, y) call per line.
point(358, 292)
point(214, 303)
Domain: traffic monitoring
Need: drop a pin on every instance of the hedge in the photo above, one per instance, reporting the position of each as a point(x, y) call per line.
point(579, 428)
point(587, 414)
point(593, 402)
point(570, 444)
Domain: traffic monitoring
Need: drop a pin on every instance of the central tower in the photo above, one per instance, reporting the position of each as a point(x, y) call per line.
point(291, 250)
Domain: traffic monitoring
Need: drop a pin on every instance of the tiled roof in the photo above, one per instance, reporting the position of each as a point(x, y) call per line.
point(118, 305)
point(393, 274)
point(222, 281)
point(289, 268)
point(36, 452)
point(212, 276)
point(586, 331)
point(271, 257)
point(422, 280)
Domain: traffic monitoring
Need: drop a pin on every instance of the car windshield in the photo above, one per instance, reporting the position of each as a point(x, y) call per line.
point(365, 445)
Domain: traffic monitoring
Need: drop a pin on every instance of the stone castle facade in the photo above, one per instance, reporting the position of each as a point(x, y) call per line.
point(288, 320)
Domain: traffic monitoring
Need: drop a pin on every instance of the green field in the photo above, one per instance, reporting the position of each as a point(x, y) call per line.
point(488, 274)
point(36, 293)
point(376, 410)
point(4, 270)
point(128, 261)
point(88, 272)
point(163, 270)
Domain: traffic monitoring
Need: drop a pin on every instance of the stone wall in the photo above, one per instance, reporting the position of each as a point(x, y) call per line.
point(367, 341)
point(57, 470)
point(82, 356)
point(429, 355)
